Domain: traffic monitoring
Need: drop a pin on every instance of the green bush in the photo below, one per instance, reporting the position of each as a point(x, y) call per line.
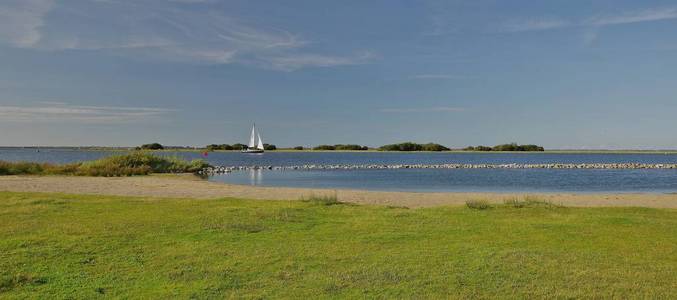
point(298, 148)
point(530, 201)
point(214, 147)
point(515, 147)
point(351, 147)
point(325, 147)
point(326, 200)
point(269, 147)
point(506, 147)
point(135, 163)
point(434, 147)
point(409, 146)
point(478, 204)
point(342, 147)
point(153, 146)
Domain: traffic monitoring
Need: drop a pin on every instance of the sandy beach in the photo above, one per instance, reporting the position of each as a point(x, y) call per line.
point(189, 186)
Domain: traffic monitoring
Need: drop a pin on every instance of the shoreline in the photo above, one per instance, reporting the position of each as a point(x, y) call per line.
point(190, 186)
point(553, 151)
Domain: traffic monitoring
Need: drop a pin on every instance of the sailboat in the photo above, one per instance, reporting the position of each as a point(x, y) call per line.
point(255, 146)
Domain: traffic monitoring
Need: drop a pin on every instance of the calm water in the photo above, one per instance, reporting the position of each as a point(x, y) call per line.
point(469, 180)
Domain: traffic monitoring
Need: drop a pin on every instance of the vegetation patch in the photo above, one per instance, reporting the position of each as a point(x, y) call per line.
point(135, 163)
point(147, 248)
point(325, 199)
point(409, 146)
point(340, 147)
point(530, 201)
point(238, 146)
point(153, 146)
point(478, 204)
point(507, 147)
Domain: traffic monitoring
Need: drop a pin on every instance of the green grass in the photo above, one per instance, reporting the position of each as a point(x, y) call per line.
point(60, 246)
point(134, 163)
point(327, 199)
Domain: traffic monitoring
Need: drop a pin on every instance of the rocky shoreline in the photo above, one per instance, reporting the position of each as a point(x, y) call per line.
point(228, 169)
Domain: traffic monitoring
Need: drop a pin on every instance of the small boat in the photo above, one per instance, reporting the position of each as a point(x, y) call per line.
point(254, 145)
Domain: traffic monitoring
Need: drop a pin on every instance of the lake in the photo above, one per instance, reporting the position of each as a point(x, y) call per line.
point(419, 180)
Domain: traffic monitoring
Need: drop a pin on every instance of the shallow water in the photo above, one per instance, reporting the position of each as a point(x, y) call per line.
point(466, 180)
point(430, 180)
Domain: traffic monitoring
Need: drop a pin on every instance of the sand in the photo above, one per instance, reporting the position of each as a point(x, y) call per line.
point(189, 186)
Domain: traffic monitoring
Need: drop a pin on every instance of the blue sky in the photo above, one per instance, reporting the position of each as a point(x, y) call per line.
point(563, 74)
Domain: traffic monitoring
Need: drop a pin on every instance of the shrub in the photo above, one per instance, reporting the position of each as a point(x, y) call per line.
point(324, 147)
point(409, 146)
point(239, 146)
point(506, 147)
point(153, 146)
point(351, 147)
point(478, 204)
point(342, 147)
point(434, 147)
point(326, 200)
point(515, 147)
point(269, 147)
point(298, 148)
point(530, 201)
point(214, 147)
point(136, 163)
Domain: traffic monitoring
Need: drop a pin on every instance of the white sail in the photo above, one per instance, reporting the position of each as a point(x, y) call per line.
point(252, 141)
point(260, 145)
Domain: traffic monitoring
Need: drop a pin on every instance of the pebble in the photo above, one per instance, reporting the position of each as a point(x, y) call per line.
point(228, 169)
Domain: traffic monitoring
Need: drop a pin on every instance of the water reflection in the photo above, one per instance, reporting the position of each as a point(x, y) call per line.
point(255, 177)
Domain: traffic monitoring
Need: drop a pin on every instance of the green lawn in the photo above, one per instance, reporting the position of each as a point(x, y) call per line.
point(61, 246)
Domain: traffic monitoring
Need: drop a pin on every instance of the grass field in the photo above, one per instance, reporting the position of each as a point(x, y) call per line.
point(61, 246)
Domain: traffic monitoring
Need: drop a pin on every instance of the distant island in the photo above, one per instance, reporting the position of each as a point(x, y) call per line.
point(506, 147)
point(403, 147)
point(409, 146)
point(342, 147)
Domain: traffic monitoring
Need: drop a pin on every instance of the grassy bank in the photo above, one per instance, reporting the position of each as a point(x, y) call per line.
point(56, 246)
point(134, 163)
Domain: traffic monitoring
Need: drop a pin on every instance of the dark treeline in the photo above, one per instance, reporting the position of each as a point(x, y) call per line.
point(408, 146)
point(238, 146)
point(342, 147)
point(506, 147)
point(153, 146)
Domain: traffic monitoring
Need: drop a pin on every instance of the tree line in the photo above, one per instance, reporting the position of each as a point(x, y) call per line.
point(506, 147)
point(407, 146)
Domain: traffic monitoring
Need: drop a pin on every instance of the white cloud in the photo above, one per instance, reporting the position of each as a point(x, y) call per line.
point(438, 76)
point(423, 109)
point(634, 17)
point(297, 61)
point(535, 24)
point(20, 21)
point(656, 14)
point(50, 111)
point(159, 30)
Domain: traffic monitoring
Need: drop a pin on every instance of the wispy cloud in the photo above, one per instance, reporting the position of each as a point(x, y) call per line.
point(20, 21)
point(61, 112)
point(438, 76)
point(634, 17)
point(297, 61)
point(160, 30)
point(535, 24)
point(649, 15)
point(422, 109)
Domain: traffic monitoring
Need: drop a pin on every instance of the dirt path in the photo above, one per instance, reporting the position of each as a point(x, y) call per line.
point(188, 186)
